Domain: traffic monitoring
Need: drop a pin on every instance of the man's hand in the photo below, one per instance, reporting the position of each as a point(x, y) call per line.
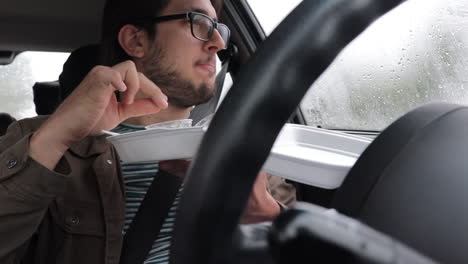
point(93, 107)
point(261, 205)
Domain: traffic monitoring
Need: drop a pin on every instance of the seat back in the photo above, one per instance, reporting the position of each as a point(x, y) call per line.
point(5, 121)
point(412, 182)
point(46, 97)
point(78, 64)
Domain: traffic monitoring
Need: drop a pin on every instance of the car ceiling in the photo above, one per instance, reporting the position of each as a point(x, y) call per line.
point(49, 25)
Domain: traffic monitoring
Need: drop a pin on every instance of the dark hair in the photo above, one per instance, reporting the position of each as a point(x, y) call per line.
point(118, 13)
point(5, 121)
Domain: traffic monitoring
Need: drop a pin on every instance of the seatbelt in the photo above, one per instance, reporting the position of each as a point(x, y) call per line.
point(149, 219)
point(203, 110)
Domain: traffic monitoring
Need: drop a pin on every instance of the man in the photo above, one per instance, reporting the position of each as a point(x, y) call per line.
point(176, 48)
point(61, 195)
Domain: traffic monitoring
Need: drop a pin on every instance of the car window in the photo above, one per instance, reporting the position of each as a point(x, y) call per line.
point(227, 81)
point(270, 13)
point(416, 54)
point(18, 78)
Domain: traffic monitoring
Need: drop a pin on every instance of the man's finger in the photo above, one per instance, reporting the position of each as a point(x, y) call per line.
point(94, 91)
point(136, 81)
point(139, 107)
point(260, 182)
point(127, 70)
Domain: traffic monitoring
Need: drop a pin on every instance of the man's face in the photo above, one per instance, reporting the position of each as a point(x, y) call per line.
point(181, 65)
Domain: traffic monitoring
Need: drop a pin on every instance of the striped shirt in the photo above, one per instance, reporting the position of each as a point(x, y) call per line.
point(137, 180)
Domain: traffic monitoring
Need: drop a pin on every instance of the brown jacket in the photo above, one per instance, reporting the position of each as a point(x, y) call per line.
point(71, 215)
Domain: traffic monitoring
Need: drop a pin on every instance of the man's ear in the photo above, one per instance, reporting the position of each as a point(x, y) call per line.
point(133, 40)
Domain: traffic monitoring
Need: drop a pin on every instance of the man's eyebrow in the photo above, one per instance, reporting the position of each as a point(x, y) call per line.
point(203, 11)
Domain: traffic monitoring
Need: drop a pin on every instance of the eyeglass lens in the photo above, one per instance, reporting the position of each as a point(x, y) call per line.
point(203, 28)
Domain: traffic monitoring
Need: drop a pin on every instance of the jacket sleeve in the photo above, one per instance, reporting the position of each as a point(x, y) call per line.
point(26, 189)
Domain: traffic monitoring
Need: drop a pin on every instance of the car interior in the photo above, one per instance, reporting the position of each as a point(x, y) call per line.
point(402, 201)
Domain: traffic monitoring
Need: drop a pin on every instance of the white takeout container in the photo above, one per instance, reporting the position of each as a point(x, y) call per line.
point(308, 155)
point(181, 123)
point(158, 144)
point(314, 156)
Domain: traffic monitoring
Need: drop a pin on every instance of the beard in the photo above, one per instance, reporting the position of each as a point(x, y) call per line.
point(180, 91)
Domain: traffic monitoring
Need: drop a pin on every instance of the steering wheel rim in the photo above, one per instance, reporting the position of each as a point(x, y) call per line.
point(249, 120)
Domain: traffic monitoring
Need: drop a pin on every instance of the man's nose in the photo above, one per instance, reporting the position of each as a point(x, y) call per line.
point(216, 43)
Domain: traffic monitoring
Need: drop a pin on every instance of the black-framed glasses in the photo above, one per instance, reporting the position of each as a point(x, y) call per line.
point(202, 26)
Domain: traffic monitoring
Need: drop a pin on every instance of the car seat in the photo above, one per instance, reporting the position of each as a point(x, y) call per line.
point(46, 97)
point(411, 182)
point(5, 121)
point(78, 64)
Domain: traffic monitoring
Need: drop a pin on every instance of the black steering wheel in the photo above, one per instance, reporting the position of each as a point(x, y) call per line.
point(246, 125)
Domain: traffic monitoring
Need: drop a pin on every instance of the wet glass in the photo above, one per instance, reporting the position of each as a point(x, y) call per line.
point(414, 55)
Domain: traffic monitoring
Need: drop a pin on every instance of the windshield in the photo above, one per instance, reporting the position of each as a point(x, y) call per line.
point(416, 54)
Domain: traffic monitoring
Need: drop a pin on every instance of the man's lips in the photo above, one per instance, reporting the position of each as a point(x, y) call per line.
point(208, 64)
point(211, 67)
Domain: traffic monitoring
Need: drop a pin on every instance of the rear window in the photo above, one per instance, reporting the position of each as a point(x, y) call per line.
point(18, 78)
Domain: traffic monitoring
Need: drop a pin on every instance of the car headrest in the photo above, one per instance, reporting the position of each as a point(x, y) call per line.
point(46, 97)
point(5, 120)
point(412, 182)
point(78, 64)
